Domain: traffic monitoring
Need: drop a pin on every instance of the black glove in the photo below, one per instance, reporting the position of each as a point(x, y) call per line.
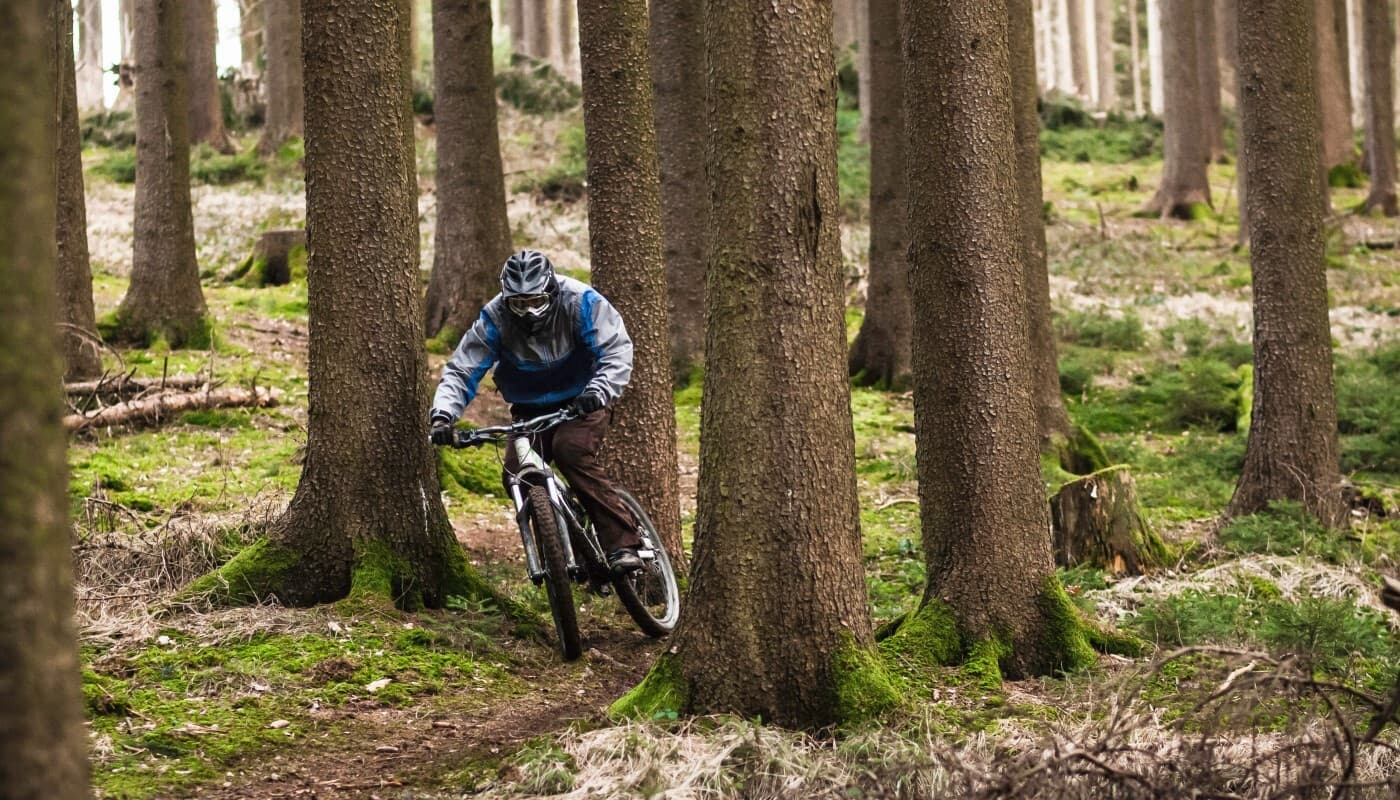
point(588, 402)
point(442, 430)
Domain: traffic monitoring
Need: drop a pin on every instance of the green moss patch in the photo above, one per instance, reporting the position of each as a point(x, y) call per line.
point(662, 694)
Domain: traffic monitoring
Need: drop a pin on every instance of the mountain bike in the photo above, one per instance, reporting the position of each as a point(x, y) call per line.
point(561, 546)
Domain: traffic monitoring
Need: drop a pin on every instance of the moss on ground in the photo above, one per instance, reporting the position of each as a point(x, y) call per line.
point(865, 688)
point(200, 335)
point(248, 578)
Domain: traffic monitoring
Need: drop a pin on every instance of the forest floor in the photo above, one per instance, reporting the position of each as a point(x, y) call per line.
point(342, 701)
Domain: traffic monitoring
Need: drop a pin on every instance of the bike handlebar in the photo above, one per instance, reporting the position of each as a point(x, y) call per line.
point(540, 424)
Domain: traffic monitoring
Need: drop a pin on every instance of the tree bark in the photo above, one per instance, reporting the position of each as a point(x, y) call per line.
point(1079, 46)
point(1156, 77)
point(206, 110)
point(164, 299)
point(366, 517)
point(81, 356)
point(1135, 51)
point(1103, 38)
point(1095, 521)
point(843, 24)
point(41, 721)
point(283, 77)
point(880, 355)
point(624, 239)
point(472, 238)
point(1351, 29)
point(1331, 83)
point(776, 610)
point(126, 18)
point(90, 66)
point(678, 81)
point(1292, 449)
point(1052, 419)
point(1208, 74)
point(514, 12)
point(566, 42)
point(1184, 184)
point(537, 29)
point(983, 510)
point(1064, 69)
point(251, 29)
point(1379, 49)
point(1230, 22)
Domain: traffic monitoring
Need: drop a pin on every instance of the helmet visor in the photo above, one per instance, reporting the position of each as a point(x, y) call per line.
point(528, 305)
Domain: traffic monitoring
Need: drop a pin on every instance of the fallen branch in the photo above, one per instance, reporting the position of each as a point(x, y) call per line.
point(152, 409)
point(125, 384)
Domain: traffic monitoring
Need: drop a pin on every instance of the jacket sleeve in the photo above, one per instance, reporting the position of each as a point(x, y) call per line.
point(606, 338)
point(475, 354)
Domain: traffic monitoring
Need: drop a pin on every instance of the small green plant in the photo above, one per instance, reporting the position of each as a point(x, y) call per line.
point(110, 129)
point(535, 87)
point(1285, 528)
point(118, 167)
point(1113, 331)
point(1368, 409)
point(208, 165)
point(1327, 633)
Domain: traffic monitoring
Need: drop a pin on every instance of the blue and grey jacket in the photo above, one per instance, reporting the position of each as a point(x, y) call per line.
point(584, 346)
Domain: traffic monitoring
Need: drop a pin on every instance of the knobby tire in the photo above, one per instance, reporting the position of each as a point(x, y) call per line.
point(659, 577)
point(557, 583)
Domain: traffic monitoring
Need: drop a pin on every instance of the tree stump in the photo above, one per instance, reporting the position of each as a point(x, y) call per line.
point(276, 259)
point(1095, 521)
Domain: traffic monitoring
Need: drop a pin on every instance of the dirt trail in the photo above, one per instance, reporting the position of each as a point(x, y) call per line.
point(401, 752)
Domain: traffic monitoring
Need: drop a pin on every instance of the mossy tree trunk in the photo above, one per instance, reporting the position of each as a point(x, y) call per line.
point(206, 109)
point(1292, 452)
point(984, 516)
point(41, 723)
point(284, 74)
point(1184, 190)
point(776, 623)
point(81, 357)
point(678, 82)
point(881, 352)
point(1380, 104)
point(624, 238)
point(366, 518)
point(164, 299)
point(472, 238)
point(1052, 420)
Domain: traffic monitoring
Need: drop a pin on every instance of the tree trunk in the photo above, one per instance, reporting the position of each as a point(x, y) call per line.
point(1380, 114)
point(776, 620)
point(164, 299)
point(126, 18)
point(1052, 419)
point(41, 722)
point(1331, 83)
point(283, 77)
point(90, 66)
point(983, 511)
point(206, 110)
point(1156, 78)
point(81, 345)
point(1045, 74)
point(1351, 29)
point(1103, 37)
point(1095, 521)
point(271, 262)
point(1184, 186)
point(566, 43)
point(1230, 22)
point(366, 518)
point(515, 18)
point(863, 82)
point(1079, 46)
point(678, 80)
point(881, 352)
point(537, 28)
point(472, 239)
point(251, 26)
point(624, 239)
point(1208, 74)
point(1064, 68)
point(1135, 50)
point(1292, 450)
point(843, 26)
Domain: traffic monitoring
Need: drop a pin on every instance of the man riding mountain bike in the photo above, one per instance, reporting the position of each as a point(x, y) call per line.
point(556, 343)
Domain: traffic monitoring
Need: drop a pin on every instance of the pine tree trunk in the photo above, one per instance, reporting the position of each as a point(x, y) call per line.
point(776, 609)
point(1156, 74)
point(1331, 83)
point(251, 26)
point(206, 110)
point(515, 18)
point(537, 29)
point(1064, 68)
point(164, 299)
point(1079, 45)
point(366, 517)
point(81, 356)
point(472, 238)
point(864, 89)
point(1052, 419)
point(283, 76)
point(1292, 450)
point(1380, 114)
point(90, 66)
point(1103, 37)
point(678, 81)
point(1135, 50)
point(41, 723)
point(1351, 29)
point(881, 352)
point(1230, 24)
point(126, 18)
point(566, 42)
point(1184, 184)
point(843, 24)
point(1045, 72)
point(624, 239)
point(1208, 74)
point(983, 511)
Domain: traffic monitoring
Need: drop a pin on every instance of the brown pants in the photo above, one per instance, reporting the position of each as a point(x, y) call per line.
point(573, 447)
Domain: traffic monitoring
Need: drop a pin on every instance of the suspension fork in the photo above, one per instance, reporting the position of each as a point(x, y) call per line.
point(533, 568)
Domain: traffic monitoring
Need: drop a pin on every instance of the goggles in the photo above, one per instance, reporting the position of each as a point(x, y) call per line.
point(528, 305)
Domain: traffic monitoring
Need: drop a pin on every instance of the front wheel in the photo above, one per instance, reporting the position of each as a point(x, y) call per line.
point(649, 594)
point(557, 583)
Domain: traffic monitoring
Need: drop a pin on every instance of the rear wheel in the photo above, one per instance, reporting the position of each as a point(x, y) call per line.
point(649, 594)
point(557, 583)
